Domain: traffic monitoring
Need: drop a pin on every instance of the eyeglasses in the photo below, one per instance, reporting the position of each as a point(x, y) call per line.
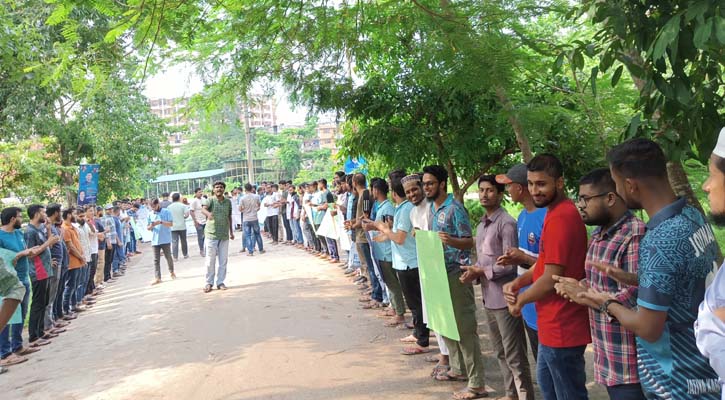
point(429, 183)
point(585, 199)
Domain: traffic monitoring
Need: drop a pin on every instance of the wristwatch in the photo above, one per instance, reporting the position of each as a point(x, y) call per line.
point(604, 308)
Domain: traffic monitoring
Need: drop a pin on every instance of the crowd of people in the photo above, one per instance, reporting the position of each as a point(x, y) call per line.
point(646, 296)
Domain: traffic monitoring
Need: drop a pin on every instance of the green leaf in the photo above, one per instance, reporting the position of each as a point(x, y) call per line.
point(682, 92)
point(590, 49)
point(720, 29)
point(668, 33)
point(578, 60)
point(702, 34)
point(595, 72)
point(696, 9)
point(617, 74)
point(634, 124)
point(558, 63)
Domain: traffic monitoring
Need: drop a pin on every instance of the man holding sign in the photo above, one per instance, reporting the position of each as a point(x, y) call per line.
point(450, 220)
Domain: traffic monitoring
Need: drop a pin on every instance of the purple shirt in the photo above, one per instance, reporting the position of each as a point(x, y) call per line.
point(494, 235)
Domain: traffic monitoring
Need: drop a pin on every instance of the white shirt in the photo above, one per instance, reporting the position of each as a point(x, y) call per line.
point(288, 210)
point(84, 234)
point(93, 235)
point(196, 208)
point(420, 216)
point(268, 200)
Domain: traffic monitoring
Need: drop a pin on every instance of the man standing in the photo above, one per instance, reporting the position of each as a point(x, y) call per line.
point(324, 198)
point(178, 229)
point(199, 218)
point(563, 326)
point(615, 242)
point(110, 233)
point(41, 269)
point(218, 233)
point(529, 225)
point(271, 202)
point(362, 212)
point(676, 256)
point(119, 253)
point(293, 210)
point(84, 235)
point(76, 261)
point(53, 315)
point(495, 234)
point(161, 226)
point(710, 324)
point(236, 214)
point(450, 220)
point(165, 200)
point(249, 206)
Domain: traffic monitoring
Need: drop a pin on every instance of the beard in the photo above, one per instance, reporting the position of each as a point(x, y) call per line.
point(545, 202)
point(717, 219)
point(81, 222)
point(17, 225)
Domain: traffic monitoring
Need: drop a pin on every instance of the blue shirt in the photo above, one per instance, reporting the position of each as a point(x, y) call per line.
point(15, 241)
point(384, 250)
point(451, 217)
point(100, 229)
point(529, 225)
point(676, 255)
point(161, 233)
point(404, 255)
point(119, 229)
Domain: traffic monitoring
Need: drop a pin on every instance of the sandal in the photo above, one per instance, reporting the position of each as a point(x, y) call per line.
point(393, 323)
point(444, 376)
point(440, 369)
point(414, 350)
point(469, 393)
point(12, 359)
point(26, 350)
point(207, 288)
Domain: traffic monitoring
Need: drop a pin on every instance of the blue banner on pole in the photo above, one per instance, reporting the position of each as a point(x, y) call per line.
point(356, 164)
point(88, 184)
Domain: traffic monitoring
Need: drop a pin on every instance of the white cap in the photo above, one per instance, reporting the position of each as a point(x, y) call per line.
point(720, 146)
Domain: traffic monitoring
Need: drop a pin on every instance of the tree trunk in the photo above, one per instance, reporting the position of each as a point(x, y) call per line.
point(681, 184)
point(521, 138)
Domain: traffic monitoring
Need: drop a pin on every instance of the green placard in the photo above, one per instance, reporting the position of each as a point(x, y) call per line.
point(434, 282)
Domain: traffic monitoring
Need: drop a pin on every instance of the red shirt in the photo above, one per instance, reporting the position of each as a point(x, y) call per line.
point(563, 242)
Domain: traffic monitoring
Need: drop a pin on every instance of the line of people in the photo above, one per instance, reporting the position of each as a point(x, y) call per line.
point(53, 268)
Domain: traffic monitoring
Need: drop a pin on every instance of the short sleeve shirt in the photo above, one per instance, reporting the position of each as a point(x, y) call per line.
point(196, 208)
point(218, 228)
point(451, 217)
point(250, 207)
point(404, 255)
point(563, 242)
point(41, 265)
point(100, 228)
point(70, 234)
point(161, 233)
point(15, 241)
point(177, 209)
point(383, 249)
point(676, 255)
point(529, 225)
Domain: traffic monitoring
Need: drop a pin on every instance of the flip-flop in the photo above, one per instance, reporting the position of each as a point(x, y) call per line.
point(469, 393)
point(392, 324)
point(12, 359)
point(26, 350)
point(438, 369)
point(411, 351)
point(445, 377)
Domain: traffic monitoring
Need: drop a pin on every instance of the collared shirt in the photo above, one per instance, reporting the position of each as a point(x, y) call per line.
point(360, 236)
point(161, 233)
point(84, 233)
point(404, 255)
point(494, 235)
point(676, 255)
point(15, 241)
point(178, 214)
point(109, 228)
point(529, 226)
point(119, 229)
point(383, 249)
point(41, 266)
point(100, 244)
point(71, 235)
point(218, 228)
point(10, 286)
point(57, 250)
point(451, 217)
point(615, 351)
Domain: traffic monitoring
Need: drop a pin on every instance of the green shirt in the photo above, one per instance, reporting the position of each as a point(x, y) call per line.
point(178, 212)
point(218, 228)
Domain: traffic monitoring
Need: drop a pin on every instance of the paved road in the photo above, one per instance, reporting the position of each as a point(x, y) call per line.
point(289, 327)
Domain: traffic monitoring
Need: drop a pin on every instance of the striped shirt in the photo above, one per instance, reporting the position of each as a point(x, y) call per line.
point(615, 350)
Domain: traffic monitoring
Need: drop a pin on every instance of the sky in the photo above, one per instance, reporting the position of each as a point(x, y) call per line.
point(181, 81)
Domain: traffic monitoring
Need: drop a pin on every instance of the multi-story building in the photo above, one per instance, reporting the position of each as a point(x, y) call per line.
point(328, 133)
point(177, 115)
point(262, 112)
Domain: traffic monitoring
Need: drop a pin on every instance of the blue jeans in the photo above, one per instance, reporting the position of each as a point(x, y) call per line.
point(132, 243)
point(252, 235)
point(332, 248)
point(632, 391)
point(216, 249)
point(364, 253)
point(296, 230)
point(71, 289)
point(200, 237)
point(82, 283)
point(11, 337)
point(560, 373)
point(118, 257)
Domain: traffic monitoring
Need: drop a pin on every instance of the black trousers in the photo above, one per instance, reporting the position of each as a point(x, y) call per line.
point(273, 225)
point(410, 283)
point(107, 262)
point(287, 227)
point(58, 301)
point(177, 236)
point(157, 259)
point(41, 299)
point(94, 266)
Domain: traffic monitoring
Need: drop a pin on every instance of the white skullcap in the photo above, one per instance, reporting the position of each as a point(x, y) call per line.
point(720, 146)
